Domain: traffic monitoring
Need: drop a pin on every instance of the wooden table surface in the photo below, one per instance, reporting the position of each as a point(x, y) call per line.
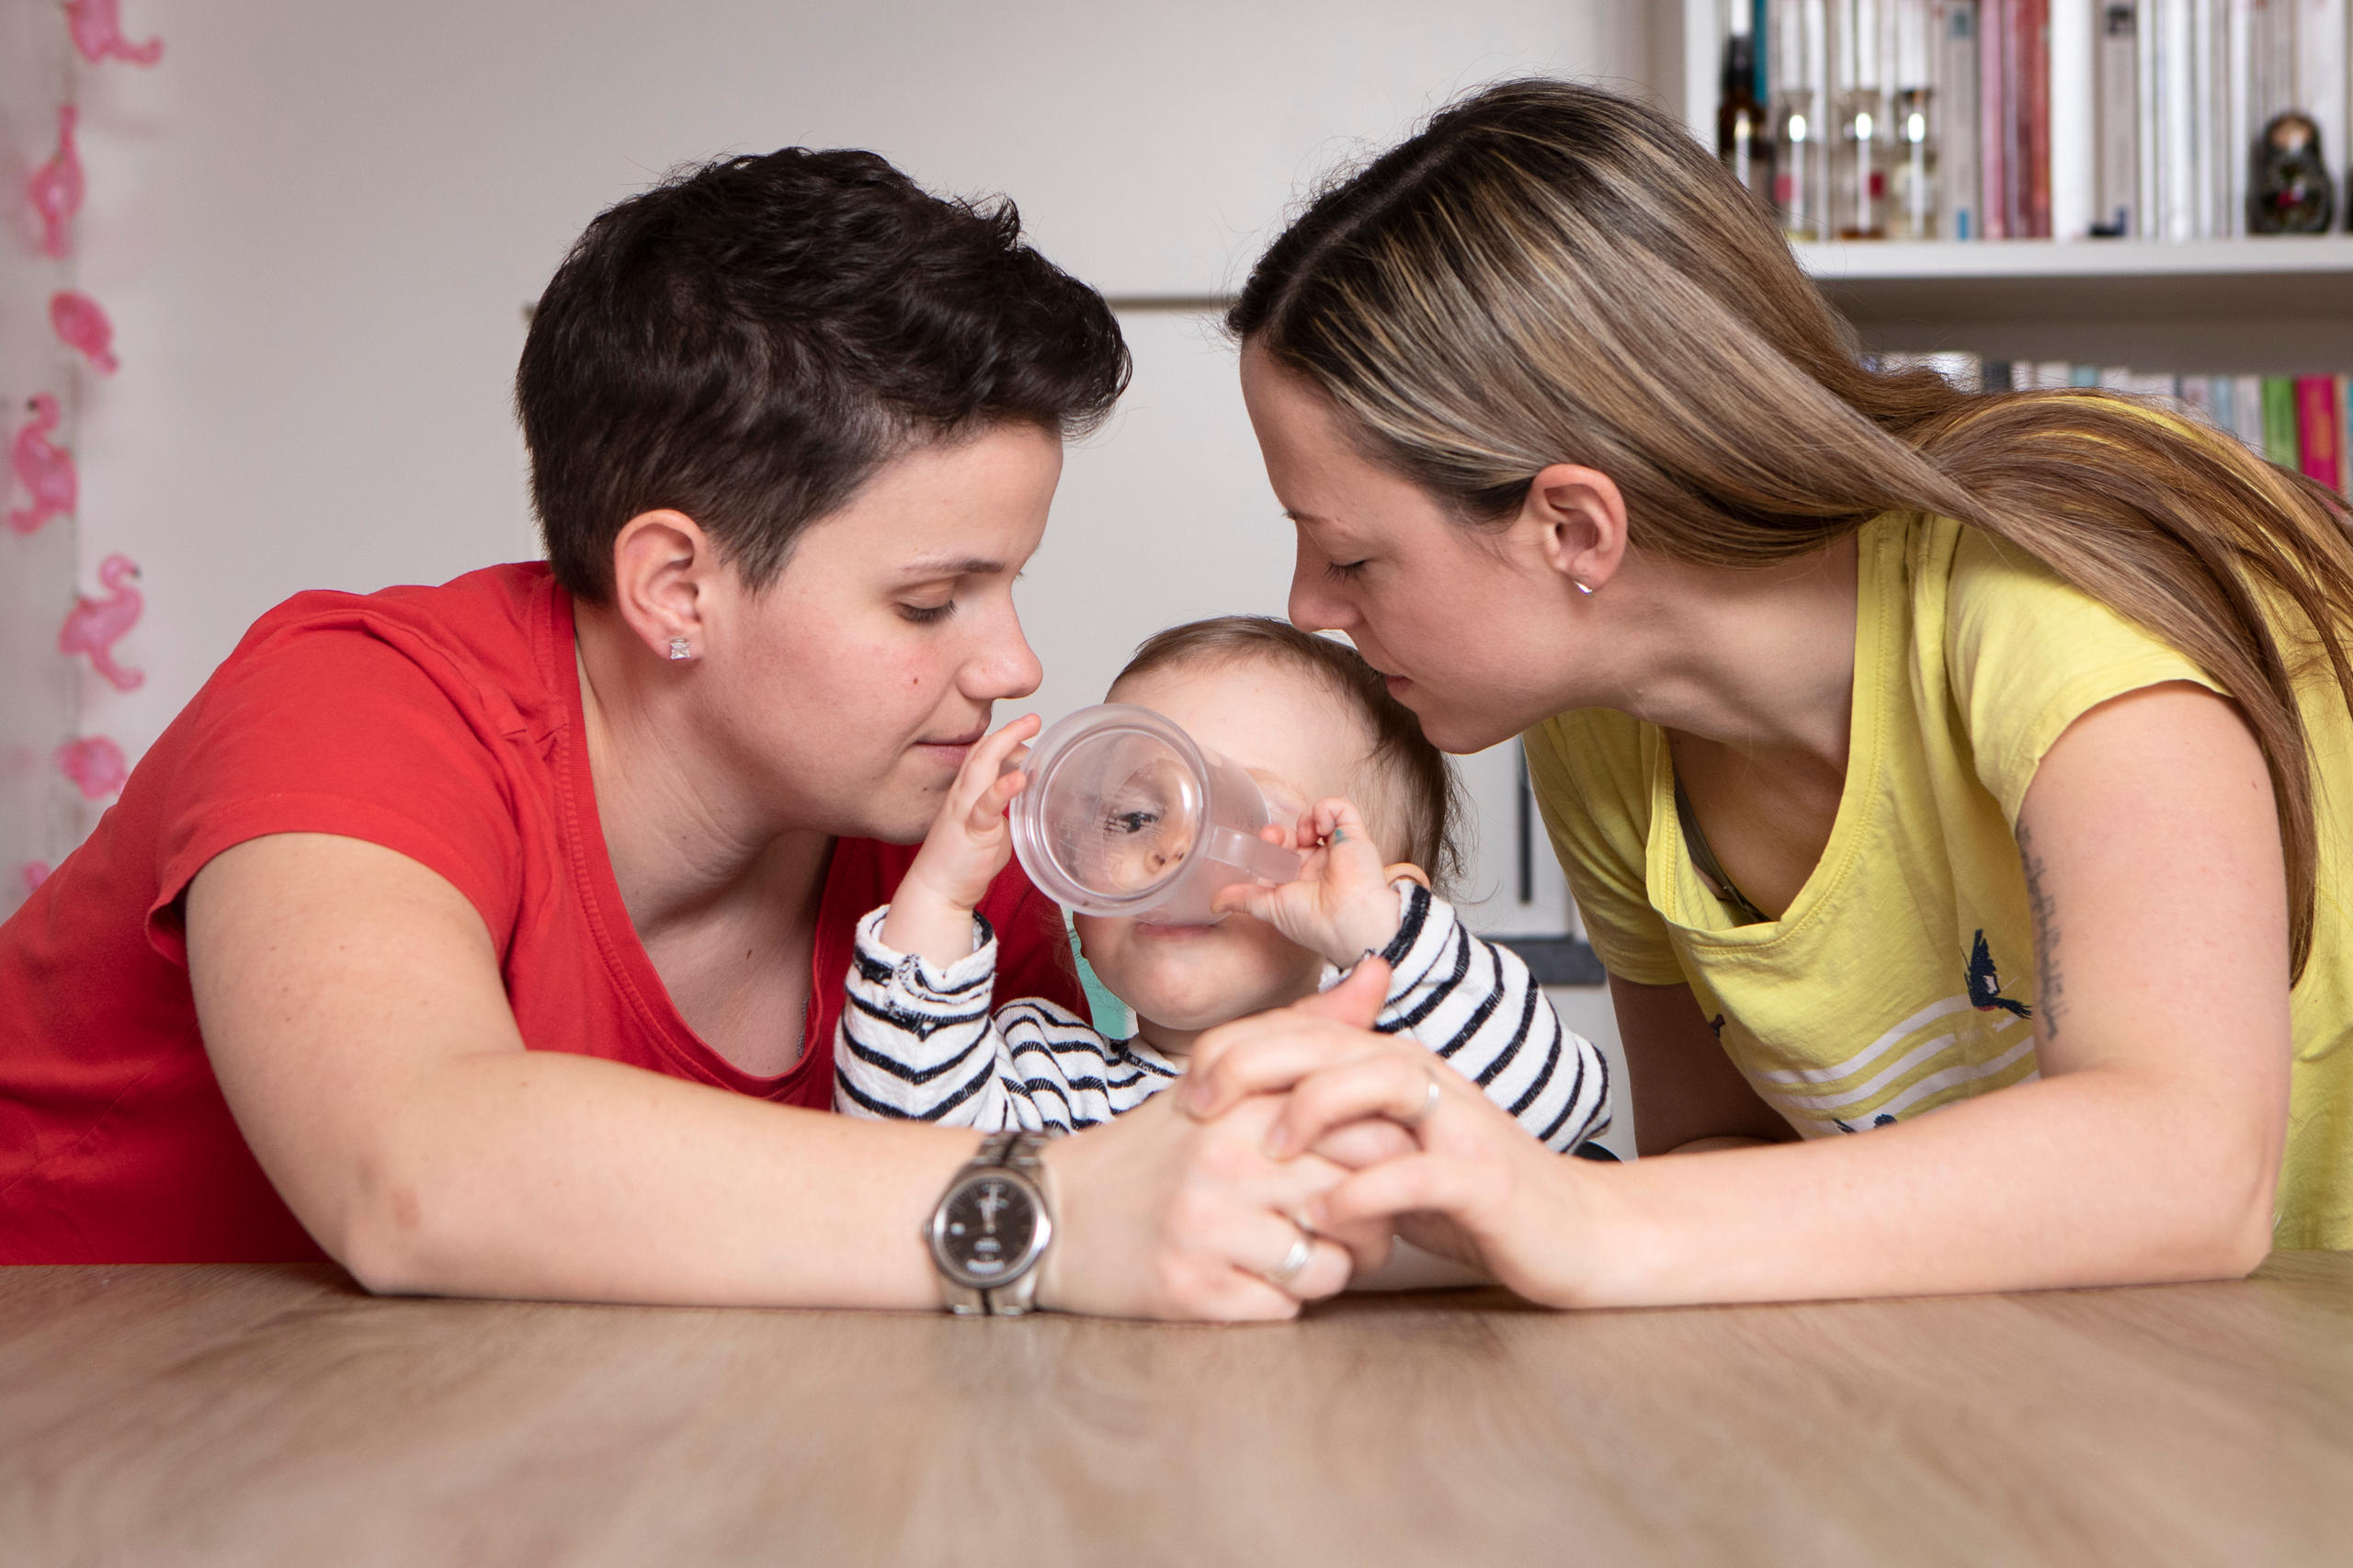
point(264, 1416)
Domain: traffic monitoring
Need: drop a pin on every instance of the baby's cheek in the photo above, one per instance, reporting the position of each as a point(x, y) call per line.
point(1274, 969)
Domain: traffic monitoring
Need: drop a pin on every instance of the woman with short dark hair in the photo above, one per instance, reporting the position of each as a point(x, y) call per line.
point(487, 938)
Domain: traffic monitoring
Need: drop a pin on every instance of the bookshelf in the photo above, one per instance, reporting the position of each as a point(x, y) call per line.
point(2273, 305)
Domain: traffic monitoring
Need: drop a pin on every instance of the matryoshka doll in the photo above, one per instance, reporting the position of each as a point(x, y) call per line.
point(2290, 193)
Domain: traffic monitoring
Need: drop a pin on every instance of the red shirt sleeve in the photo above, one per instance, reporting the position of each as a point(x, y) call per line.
point(335, 731)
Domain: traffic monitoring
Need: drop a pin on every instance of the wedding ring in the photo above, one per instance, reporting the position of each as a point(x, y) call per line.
point(1429, 1104)
point(1294, 1261)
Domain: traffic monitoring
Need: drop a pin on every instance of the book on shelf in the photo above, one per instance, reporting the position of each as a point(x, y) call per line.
point(2116, 118)
point(2320, 426)
point(2031, 87)
point(2304, 424)
point(2279, 421)
point(2065, 118)
point(1959, 189)
point(2247, 413)
point(1997, 127)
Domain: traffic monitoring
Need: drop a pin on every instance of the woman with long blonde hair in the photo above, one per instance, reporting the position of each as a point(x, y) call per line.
point(1966, 774)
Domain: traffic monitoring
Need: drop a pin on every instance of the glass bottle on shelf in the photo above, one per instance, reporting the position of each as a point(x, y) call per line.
point(1859, 158)
point(1913, 203)
point(1798, 176)
point(1912, 215)
point(1800, 64)
point(1860, 136)
point(1743, 139)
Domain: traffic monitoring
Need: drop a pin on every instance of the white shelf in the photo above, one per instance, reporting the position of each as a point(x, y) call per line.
point(2276, 304)
point(1932, 260)
point(2282, 299)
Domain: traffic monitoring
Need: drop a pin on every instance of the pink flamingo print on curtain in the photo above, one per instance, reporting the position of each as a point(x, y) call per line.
point(96, 764)
point(55, 190)
point(97, 26)
point(46, 468)
point(94, 625)
point(82, 325)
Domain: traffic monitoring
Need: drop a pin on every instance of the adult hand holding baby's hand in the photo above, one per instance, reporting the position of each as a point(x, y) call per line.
point(1169, 1215)
point(1467, 1182)
point(969, 844)
point(1166, 1215)
point(1341, 905)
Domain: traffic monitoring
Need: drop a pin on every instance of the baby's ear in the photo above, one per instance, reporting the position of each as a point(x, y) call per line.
point(1408, 870)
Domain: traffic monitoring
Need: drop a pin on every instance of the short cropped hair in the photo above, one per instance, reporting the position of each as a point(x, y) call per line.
point(749, 341)
point(1418, 794)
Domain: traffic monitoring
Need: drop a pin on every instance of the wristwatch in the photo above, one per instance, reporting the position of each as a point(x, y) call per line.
point(989, 1233)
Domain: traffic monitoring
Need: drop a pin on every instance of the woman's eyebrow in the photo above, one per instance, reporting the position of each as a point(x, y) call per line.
point(951, 566)
point(1327, 526)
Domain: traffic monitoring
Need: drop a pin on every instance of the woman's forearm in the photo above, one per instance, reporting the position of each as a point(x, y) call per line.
point(543, 1173)
point(357, 1022)
point(2098, 1176)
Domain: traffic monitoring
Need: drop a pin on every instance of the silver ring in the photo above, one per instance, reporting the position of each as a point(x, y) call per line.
point(1293, 1263)
point(1429, 1104)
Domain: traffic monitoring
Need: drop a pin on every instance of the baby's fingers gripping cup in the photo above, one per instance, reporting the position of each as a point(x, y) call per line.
point(1126, 814)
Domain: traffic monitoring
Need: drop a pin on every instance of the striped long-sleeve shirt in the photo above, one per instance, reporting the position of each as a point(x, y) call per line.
point(920, 1043)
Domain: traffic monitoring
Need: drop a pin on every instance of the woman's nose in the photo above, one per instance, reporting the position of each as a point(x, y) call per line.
point(1313, 606)
point(1006, 669)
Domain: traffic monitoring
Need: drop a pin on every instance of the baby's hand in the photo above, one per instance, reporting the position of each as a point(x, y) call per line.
point(1341, 906)
point(931, 915)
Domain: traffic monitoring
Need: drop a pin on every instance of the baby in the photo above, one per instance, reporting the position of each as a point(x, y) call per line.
point(920, 1037)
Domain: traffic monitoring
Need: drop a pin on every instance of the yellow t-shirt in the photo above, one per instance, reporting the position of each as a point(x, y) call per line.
point(1901, 978)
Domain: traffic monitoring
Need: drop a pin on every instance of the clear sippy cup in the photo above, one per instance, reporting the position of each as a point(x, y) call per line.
point(1126, 814)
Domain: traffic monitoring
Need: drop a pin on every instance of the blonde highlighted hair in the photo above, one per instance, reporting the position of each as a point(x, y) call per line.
point(1551, 273)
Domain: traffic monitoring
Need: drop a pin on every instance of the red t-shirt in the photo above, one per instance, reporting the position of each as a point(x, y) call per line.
point(444, 723)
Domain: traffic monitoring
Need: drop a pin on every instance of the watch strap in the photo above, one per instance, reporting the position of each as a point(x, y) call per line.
point(1014, 1151)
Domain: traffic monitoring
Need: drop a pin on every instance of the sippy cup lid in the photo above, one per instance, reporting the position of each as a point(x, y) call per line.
point(1126, 814)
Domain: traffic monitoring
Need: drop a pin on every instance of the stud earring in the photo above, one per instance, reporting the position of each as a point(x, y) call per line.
point(678, 649)
point(1581, 588)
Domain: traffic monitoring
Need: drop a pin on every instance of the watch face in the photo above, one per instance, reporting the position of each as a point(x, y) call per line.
point(987, 1230)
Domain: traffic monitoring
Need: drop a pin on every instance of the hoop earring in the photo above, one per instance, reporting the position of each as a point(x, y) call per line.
point(679, 649)
point(1581, 588)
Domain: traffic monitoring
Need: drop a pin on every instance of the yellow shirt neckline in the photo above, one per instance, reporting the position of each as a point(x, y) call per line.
point(1672, 882)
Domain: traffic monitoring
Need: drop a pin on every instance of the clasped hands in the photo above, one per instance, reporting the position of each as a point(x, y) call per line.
point(1299, 1142)
point(1406, 1145)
